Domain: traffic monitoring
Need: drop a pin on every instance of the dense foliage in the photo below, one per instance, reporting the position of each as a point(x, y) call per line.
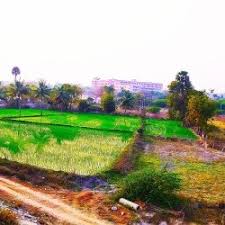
point(200, 109)
point(178, 95)
point(126, 100)
point(108, 102)
point(220, 104)
point(162, 103)
point(154, 109)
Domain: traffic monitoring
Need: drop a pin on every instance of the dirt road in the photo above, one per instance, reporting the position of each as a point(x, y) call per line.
point(48, 204)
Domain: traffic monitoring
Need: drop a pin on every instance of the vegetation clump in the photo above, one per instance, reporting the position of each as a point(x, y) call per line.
point(151, 186)
point(162, 103)
point(179, 90)
point(199, 110)
point(154, 109)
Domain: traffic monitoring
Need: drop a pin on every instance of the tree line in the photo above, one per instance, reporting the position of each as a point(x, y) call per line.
point(65, 97)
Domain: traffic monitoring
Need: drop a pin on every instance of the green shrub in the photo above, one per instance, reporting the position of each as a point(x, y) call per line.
point(220, 104)
point(162, 103)
point(220, 112)
point(150, 185)
point(108, 103)
point(83, 105)
point(154, 109)
point(7, 217)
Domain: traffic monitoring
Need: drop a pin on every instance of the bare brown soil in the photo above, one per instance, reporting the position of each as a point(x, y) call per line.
point(65, 206)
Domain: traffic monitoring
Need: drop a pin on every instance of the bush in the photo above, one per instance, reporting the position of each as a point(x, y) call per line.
point(7, 217)
point(152, 186)
point(95, 108)
point(83, 106)
point(220, 104)
point(108, 102)
point(154, 109)
point(220, 112)
point(162, 103)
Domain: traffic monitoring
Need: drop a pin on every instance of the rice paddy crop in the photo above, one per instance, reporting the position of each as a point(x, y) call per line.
point(64, 141)
point(78, 150)
point(100, 121)
point(24, 112)
point(168, 129)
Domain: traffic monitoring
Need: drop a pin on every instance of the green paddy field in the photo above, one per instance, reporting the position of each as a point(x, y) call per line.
point(81, 143)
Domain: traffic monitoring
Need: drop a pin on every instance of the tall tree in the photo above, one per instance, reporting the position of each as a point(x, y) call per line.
point(200, 109)
point(15, 72)
point(178, 95)
point(139, 101)
point(2, 92)
point(16, 92)
point(126, 100)
point(108, 103)
point(42, 92)
point(66, 95)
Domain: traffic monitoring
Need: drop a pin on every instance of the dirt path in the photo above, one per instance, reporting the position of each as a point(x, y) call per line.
point(47, 204)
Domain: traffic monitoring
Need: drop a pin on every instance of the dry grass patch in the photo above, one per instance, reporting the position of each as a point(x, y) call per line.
point(202, 171)
point(7, 217)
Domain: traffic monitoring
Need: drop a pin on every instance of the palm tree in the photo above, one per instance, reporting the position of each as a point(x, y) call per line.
point(2, 92)
point(126, 100)
point(17, 91)
point(43, 92)
point(15, 72)
point(66, 95)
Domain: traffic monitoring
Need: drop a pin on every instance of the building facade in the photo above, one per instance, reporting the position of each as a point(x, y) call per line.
point(132, 85)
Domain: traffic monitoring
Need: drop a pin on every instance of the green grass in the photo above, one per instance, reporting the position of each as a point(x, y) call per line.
point(168, 129)
point(100, 121)
point(82, 151)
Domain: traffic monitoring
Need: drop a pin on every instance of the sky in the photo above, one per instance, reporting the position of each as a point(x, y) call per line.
point(148, 40)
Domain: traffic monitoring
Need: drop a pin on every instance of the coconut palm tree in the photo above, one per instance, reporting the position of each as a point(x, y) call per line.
point(15, 72)
point(126, 100)
point(2, 92)
point(66, 95)
point(42, 92)
point(17, 91)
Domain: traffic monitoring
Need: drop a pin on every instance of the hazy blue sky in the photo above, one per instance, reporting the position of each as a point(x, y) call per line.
point(73, 41)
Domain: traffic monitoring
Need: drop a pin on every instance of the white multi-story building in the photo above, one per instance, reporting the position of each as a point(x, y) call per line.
point(132, 85)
